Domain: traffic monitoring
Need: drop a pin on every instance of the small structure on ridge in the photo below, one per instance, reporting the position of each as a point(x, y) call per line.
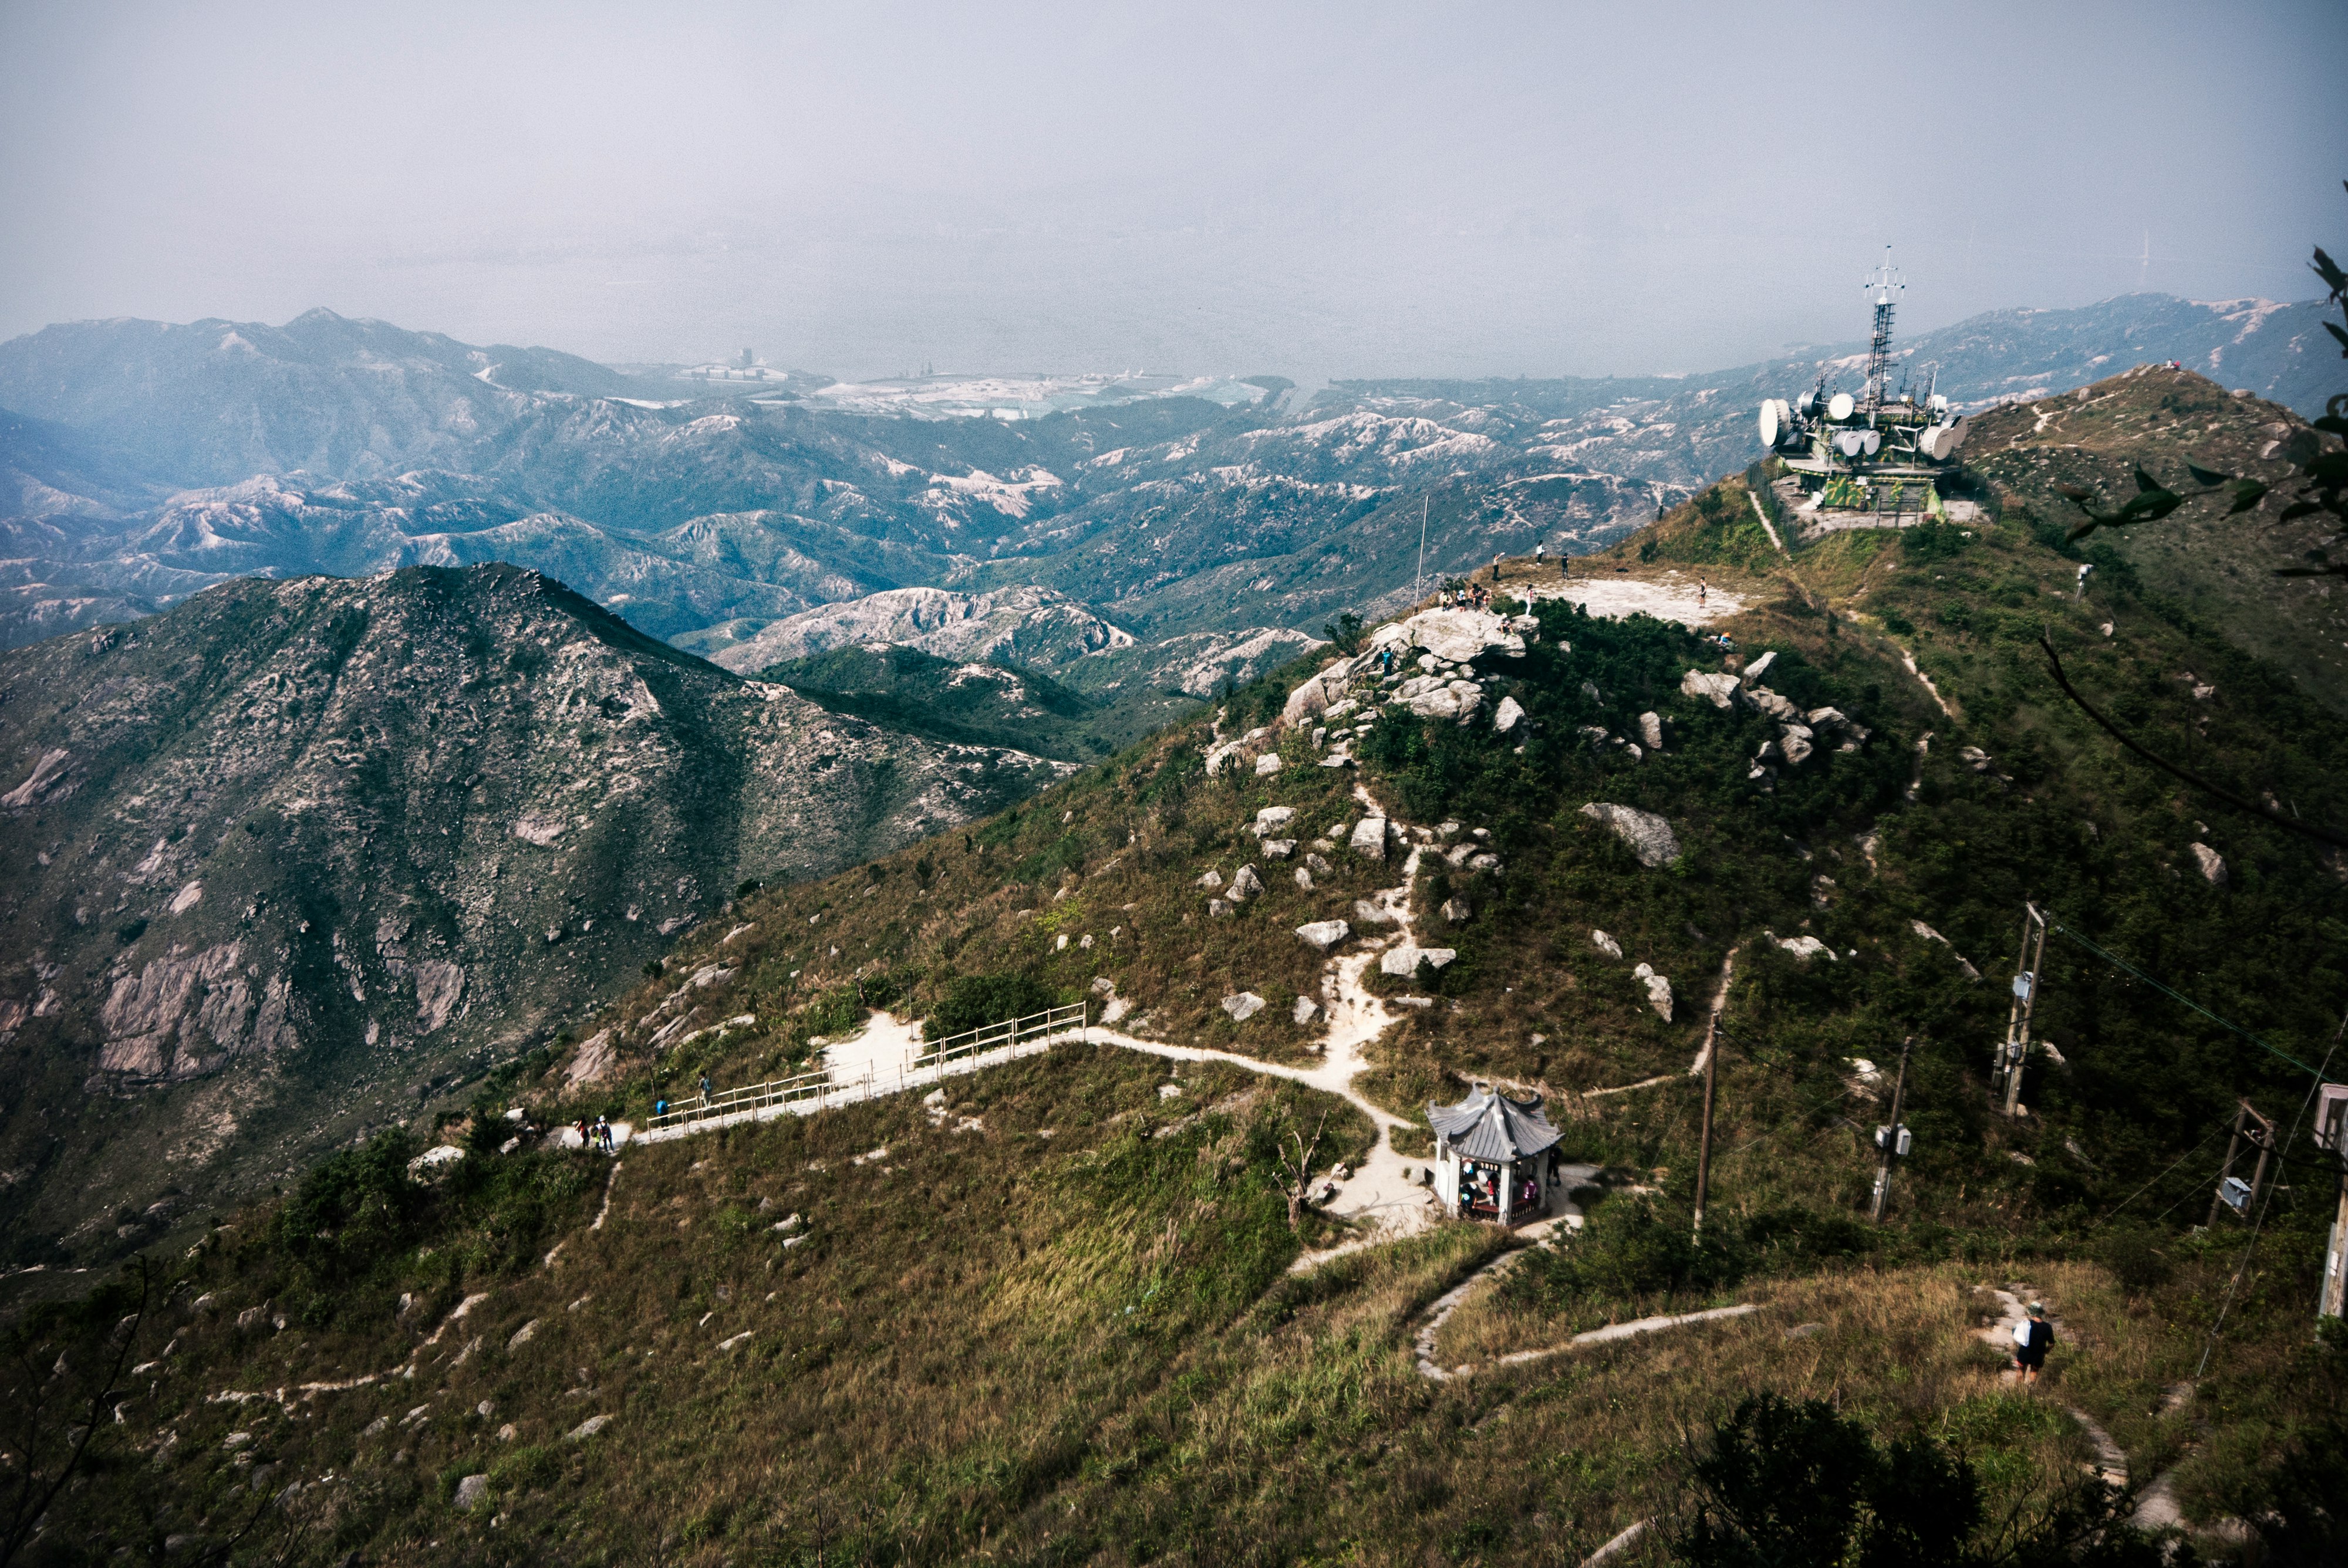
point(1495, 1158)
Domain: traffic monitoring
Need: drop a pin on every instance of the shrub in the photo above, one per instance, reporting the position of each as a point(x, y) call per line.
point(973, 1001)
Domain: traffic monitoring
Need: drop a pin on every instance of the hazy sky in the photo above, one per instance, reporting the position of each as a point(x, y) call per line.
point(1317, 190)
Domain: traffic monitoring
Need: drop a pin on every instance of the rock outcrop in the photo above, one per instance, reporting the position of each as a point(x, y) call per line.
point(1649, 836)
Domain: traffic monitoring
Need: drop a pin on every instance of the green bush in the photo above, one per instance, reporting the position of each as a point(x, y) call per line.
point(973, 1001)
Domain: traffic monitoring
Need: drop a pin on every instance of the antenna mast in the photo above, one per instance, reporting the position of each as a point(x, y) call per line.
point(1418, 584)
point(1887, 286)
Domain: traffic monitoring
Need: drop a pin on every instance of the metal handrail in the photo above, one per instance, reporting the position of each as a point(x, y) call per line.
point(932, 1066)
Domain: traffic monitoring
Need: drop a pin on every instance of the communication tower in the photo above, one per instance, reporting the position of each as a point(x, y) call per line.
point(1882, 453)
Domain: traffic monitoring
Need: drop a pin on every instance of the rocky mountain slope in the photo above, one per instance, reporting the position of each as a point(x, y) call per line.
point(706, 511)
point(292, 856)
point(1533, 850)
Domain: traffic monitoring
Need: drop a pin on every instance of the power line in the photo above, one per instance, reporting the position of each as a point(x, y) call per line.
point(2189, 1001)
point(2210, 1138)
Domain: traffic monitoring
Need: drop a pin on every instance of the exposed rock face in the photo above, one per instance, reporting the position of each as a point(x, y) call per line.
point(1323, 934)
point(1021, 625)
point(1649, 836)
point(1720, 691)
point(387, 822)
point(1659, 990)
point(2212, 864)
point(1606, 944)
point(1456, 636)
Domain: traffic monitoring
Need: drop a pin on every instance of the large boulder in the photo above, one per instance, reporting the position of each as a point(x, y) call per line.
point(1456, 635)
point(1244, 1007)
point(1505, 718)
point(1323, 934)
point(1659, 990)
point(1649, 836)
point(1369, 839)
point(2212, 864)
point(1245, 884)
point(1720, 691)
point(1403, 960)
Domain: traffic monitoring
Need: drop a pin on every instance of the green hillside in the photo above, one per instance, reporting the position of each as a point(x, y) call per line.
point(1049, 1315)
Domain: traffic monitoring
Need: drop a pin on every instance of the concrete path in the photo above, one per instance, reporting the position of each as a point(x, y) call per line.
point(1671, 597)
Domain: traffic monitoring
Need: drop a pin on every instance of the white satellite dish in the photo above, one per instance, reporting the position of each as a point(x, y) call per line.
point(1929, 443)
point(1956, 436)
point(1869, 441)
point(1847, 442)
point(1839, 408)
point(1768, 421)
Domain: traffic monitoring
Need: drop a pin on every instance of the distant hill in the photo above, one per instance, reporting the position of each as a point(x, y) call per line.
point(292, 856)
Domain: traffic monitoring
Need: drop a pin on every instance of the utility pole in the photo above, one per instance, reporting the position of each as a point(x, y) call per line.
point(1418, 583)
point(1703, 1148)
point(2016, 1049)
point(2248, 1124)
point(2332, 1136)
point(1892, 1140)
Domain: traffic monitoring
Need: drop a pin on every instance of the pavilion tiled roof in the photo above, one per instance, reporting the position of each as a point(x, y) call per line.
point(1488, 1125)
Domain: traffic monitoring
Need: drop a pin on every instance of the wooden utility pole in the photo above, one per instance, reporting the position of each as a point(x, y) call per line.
point(2249, 1125)
point(1703, 1148)
point(2332, 1136)
point(1889, 1136)
point(2025, 1001)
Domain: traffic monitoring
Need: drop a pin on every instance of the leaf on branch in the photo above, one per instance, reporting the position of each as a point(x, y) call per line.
point(2330, 568)
point(2299, 510)
point(2248, 493)
point(2078, 493)
point(2208, 476)
point(2333, 424)
point(2146, 484)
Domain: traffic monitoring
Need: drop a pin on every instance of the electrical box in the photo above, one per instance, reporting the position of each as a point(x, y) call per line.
point(2236, 1193)
point(2022, 985)
point(1898, 1142)
point(2331, 1118)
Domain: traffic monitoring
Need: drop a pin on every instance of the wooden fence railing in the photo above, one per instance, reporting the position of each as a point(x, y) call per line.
point(930, 1066)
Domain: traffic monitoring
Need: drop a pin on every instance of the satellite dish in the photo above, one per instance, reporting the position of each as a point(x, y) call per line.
point(1869, 441)
point(1929, 443)
point(1839, 408)
point(1847, 442)
point(1768, 421)
point(1956, 436)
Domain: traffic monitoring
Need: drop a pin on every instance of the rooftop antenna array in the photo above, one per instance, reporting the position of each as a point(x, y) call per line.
point(1887, 286)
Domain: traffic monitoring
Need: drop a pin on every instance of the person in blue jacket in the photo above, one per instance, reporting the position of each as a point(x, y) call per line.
point(2032, 1337)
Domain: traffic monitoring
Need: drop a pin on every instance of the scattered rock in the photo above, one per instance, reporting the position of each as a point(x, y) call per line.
point(1803, 947)
point(1267, 763)
point(1659, 990)
point(1271, 818)
point(1804, 1330)
point(1244, 1007)
point(1323, 934)
point(1505, 717)
point(1651, 730)
point(1720, 691)
point(1759, 666)
point(2212, 864)
point(1370, 914)
point(1649, 836)
point(1606, 944)
point(1318, 866)
point(1279, 849)
point(1403, 960)
point(1974, 758)
point(471, 1491)
point(1245, 884)
point(588, 1428)
point(1217, 908)
point(1210, 878)
point(1369, 837)
point(523, 1335)
point(1304, 879)
point(1457, 911)
point(1305, 1010)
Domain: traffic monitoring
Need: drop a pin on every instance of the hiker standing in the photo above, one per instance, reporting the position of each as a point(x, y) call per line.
point(603, 1134)
point(1703, 592)
point(1540, 553)
point(704, 1089)
point(1495, 568)
point(2032, 1337)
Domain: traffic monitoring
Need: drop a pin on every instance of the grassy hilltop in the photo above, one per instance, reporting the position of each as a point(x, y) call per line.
point(1048, 1316)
